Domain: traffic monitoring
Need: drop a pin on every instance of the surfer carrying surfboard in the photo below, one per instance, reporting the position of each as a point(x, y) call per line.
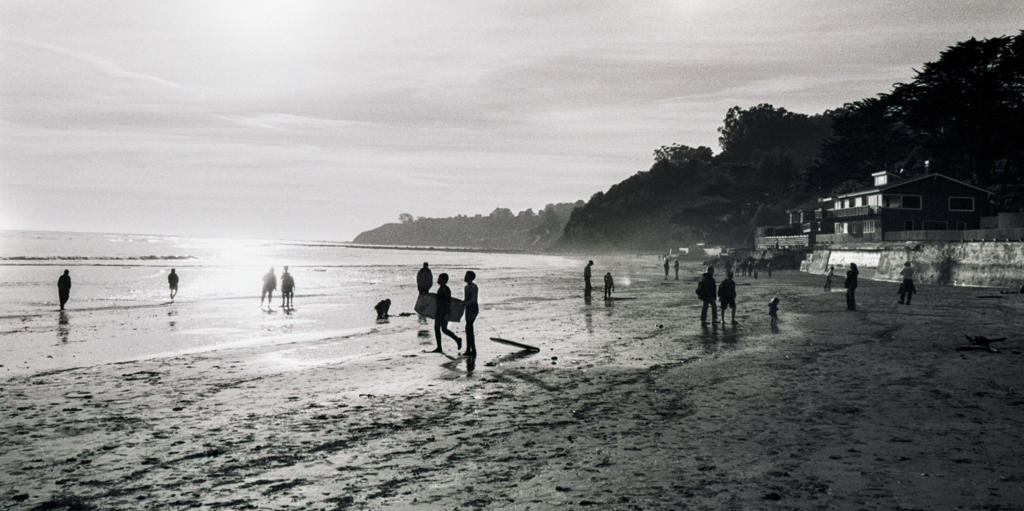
point(472, 311)
point(444, 302)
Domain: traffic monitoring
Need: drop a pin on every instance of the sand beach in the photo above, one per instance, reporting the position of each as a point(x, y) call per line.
point(629, 405)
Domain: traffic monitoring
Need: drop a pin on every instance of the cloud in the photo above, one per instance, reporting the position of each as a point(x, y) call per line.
point(103, 65)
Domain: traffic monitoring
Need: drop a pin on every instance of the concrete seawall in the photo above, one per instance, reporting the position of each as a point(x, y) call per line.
point(987, 264)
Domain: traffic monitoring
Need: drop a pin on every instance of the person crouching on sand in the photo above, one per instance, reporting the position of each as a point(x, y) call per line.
point(444, 304)
point(727, 294)
point(773, 310)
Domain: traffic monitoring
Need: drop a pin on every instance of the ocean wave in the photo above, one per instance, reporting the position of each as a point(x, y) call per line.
point(98, 258)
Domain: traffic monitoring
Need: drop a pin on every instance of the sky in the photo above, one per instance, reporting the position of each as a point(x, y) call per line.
point(317, 120)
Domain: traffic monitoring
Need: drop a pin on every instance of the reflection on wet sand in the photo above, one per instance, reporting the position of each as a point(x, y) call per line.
point(63, 328)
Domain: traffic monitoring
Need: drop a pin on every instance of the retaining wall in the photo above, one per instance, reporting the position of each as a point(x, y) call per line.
point(989, 264)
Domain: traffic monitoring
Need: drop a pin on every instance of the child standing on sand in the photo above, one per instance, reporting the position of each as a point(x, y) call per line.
point(773, 310)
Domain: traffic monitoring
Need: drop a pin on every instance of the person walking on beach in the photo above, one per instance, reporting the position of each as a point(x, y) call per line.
point(172, 281)
point(269, 285)
point(609, 286)
point(773, 310)
point(424, 279)
point(287, 289)
point(727, 294)
point(677, 269)
point(64, 288)
point(472, 311)
point(707, 292)
point(769, 268)
point(828, 278)
point(907, 287)
point(666, 267)
point(444, 305)
point(586, 280)
point(851, 287)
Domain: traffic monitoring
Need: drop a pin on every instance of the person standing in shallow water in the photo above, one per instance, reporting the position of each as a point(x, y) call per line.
point(424, 279)
point(851, 287)
point(587, 288)
point(269, 285)
point(609, 286)
point(472, 311)
point(444, 304)
point(907, 288)
point(287, 289)
point(666, 267)
point(64, 288)
point(677, 269)
point(172, 281)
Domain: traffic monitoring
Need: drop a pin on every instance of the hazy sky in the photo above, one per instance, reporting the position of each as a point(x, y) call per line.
point(321, 119)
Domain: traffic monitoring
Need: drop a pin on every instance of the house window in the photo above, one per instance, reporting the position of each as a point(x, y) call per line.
point(961, 203)
point(874, 200)
point(902, 201)
point(934, 226)
point(841, 228)
point(869, 226)
point(911, 202)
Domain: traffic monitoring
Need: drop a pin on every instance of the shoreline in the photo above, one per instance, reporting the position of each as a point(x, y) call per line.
point(627, 406)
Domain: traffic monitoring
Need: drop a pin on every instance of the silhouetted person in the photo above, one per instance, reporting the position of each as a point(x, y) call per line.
point(172, 281)
point(472, 311)
point(707, 292)
point(424, 279)
point(444, 305)
point(609, 286)
point(587, 288)
point(666, 267)
point(269, 285)
point(287, 289)
point(851, 287)
point(769, 268)
point(907, 287)
point(828, 278)
point(727, 294)
point(773, 310)
point(382, 308)
point(677, 269)
point(728, 266)
point(64, 288)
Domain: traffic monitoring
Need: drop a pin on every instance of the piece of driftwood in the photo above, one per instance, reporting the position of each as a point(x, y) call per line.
point(979, 342)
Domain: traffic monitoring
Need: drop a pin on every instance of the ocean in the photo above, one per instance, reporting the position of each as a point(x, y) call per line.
point(120, 308)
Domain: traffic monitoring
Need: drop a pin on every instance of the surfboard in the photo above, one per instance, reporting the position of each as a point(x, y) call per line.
point(516, 344)
point(426, 305)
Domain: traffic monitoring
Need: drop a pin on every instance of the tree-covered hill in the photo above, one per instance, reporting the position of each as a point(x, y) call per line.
point(500, 230)
point(962, 116)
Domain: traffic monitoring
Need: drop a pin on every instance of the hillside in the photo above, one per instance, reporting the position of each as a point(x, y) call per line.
point(501, 230)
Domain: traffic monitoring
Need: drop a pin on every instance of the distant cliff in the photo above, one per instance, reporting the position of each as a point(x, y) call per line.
point(500, 230)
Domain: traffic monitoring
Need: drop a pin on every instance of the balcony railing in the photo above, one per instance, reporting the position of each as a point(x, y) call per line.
point(852, 212)
point(965, 235)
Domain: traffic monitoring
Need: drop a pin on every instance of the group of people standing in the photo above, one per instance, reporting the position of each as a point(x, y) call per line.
point(270, 284)
point(906, 290)
point(425, 280)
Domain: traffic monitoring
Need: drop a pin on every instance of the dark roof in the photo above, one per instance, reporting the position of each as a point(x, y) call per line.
point(901, 182)
point(812, 205)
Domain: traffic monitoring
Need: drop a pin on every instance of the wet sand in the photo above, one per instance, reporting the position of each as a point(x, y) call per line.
point(628, 405)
